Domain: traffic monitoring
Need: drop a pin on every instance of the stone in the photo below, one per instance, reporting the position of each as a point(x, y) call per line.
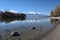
point(33, 27)
point(15, 34)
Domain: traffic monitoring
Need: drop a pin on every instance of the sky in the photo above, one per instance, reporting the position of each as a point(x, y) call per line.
point(42, 6)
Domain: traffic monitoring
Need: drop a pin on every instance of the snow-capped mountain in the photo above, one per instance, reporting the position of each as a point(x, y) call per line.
point(36, 16)
point(30, 15)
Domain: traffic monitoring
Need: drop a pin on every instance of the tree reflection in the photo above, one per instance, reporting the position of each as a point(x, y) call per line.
point(54, 21)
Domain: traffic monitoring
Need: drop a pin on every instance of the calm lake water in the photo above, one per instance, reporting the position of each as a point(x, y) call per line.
point(31, 21)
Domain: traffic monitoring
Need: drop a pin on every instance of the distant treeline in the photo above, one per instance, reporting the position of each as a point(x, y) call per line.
point(10, 15)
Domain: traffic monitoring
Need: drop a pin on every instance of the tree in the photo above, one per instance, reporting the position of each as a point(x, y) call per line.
point(9, 16)
point(51, 13)
point(56, 12)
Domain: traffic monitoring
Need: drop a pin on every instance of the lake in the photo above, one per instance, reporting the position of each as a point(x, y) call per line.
point(42, 24)
point(31, 20)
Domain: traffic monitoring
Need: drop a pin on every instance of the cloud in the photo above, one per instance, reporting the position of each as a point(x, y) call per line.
point(9, 10)
point(13, 11)
point(3, 10)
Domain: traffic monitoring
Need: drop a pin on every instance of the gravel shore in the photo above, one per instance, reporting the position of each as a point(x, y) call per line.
point(54, 35)
point(25, 34)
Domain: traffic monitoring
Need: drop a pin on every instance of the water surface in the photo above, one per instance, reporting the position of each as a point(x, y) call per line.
point(31, 21)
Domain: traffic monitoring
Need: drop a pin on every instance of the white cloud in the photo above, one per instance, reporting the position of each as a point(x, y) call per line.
point(3, 10)
point(9, 10)
point(13, 11)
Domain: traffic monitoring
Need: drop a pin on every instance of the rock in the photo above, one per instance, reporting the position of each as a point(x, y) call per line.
point(33, 27)
point(15, 34)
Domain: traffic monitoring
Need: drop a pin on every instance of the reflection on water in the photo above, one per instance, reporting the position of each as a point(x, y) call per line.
point(11, 23)
point(54, 21)
point(42, 26)
point(45, 23)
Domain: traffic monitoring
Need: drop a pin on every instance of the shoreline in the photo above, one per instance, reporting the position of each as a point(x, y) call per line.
point(54, 35)
point(27, 34)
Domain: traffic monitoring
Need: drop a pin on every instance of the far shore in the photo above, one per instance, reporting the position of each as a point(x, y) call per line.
point(54, 17)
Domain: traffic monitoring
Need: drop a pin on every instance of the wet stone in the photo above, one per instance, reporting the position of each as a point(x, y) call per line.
point(33, 27)
point(15, 34)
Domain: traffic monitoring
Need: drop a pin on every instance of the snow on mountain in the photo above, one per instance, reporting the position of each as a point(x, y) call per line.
point(30, 15)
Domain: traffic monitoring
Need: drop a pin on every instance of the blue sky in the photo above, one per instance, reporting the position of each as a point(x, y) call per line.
point(43, 6)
